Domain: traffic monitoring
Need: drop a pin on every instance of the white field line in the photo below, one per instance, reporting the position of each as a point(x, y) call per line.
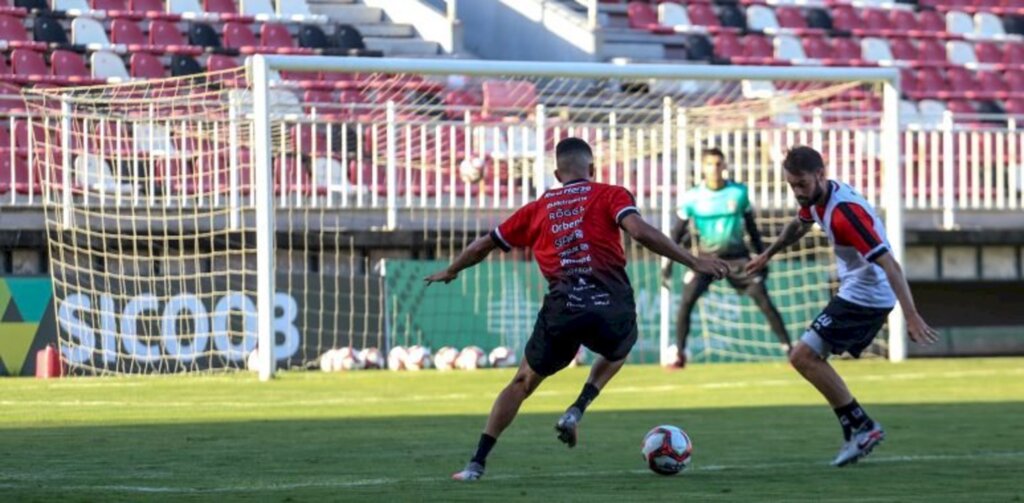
point(343, 400)
point(382, 481)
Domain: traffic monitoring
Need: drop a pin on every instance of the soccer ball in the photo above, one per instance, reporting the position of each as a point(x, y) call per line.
point(418, 358)
point(445, 358)
point(471, 358)
point(669, 356)
point(501, 357)
point(347, 359)
point(327, 360)
point(252, 362)
point(471, 170)
point(666, 449)
point(371, 357)
point(396, 358)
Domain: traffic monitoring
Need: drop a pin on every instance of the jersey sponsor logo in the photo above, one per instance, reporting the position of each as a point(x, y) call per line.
point(564, 226)
point(582, 247)
point(569, 238)
point(576, 271)
point(566, 213)
point(576, 261)
point(583, 189)
point(565, 202)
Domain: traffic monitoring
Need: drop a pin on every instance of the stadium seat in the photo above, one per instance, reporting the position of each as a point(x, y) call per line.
point(69, 67)
point(930, 82)
point(876, 22)
point(18, 176)
point(347, 37)
point(846, 49)
point(190, 10)
point(7, 8)
point(75, 8)
point(818, 19)
point(962, 83)
point(931, 51)
point(959, 52)
point(762, 18)
point(674, 16)
point(146, 66)
point(222, 63)
point(149, 8)
point(89, 33)
point(1014, 80)
point(182, 65)
point(846, 18)
point(728, 46)
point(277, 36)
point(29, 66)
point(903, 49)
point(1014, 25)
point(108, 66)
point(203, 35)
point(959, 23)
point(989, 53)
point(238, 36)
point(13, 32)
point(788, 48)
point(33, 5)
point(49, 31)
point(1014, 107)
point(166, 34)
point(730, 15)
point(991, 84)
point(961, 107)
point(111, 7)
point(643, 17)
point(1013, 54)
point(876, 50)
point(701, 14)
point(699, 47)
point(988, 26)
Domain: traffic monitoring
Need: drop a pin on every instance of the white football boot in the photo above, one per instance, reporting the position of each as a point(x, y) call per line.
point(860, 444)
point(472, 471)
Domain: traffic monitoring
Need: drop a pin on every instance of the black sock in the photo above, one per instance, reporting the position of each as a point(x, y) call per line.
point(588, 395)
point(483, 448)
point(851, 417)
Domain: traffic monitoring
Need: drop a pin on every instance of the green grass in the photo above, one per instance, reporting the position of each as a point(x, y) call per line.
point(760, 434)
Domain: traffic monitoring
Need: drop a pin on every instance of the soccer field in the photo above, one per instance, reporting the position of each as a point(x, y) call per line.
point(759, 432)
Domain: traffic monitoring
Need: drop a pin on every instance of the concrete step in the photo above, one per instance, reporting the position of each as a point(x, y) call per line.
point(386, 30)
point(402, 46)
point(349, 13)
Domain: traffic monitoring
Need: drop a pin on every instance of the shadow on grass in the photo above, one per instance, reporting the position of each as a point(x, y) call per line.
point(934, 452)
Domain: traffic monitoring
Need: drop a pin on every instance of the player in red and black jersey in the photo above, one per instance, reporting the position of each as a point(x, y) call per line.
point(574, 234)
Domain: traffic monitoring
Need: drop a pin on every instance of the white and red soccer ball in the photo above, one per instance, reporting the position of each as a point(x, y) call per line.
point(501, 357)
point(335, 360)
point(445, 358)
point(666, 449)
point(372, 358)
point(396, 358)
point(418, 358)
point(471, 358)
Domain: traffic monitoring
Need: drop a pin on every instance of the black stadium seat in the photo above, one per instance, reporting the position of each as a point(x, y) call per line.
point(312, 37)
point(731, 16)
point(35, 5)
point(203, 35)
point(819, 18)
point(699, 48)
point(347, 37)
point(49, 30)
point(184, 65)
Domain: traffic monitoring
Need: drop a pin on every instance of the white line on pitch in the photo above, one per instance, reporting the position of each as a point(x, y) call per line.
point(328, 484)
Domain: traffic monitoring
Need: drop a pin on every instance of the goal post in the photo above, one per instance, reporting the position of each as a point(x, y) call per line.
point(245, 218)
point(888, 139)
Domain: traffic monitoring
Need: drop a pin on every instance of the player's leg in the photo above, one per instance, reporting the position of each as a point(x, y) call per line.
point(842, 326)
point(504, 410)
point(694, 286)
point(611, 336)
point(759, 294)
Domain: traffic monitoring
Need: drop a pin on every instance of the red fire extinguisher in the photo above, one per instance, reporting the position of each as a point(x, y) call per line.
point(48, 363)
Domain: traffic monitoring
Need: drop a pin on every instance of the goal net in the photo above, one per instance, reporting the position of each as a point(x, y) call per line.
point(379, 172)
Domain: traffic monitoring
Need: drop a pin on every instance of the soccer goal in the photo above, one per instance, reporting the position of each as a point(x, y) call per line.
point(267, 214)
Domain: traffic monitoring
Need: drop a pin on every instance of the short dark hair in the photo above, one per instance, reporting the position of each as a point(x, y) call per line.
point(572, 146)
point(573, 154)
point(803, 159)
point(715, 151)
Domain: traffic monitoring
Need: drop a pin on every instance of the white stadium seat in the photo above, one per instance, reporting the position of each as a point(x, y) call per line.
point(959, 52)
point(876, 50)
point(109, 66)
point(959, 23)
point(761, 18)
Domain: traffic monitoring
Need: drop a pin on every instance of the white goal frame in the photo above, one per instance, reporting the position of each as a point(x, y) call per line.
point(264, 67)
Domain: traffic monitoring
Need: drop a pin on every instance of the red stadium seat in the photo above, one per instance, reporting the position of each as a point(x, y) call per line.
point(846, 18)
point(992, 84)
point(931, 22)
point(932, 51)
point(816, 48)
point(701, 14)
point(146, 66)
point(846, 49)
point(930, 83)
point(1013, 54)
point(903, 49)
point(643, 17)
point(12, 30)
point(29, 66)
point(69, 67)
point(17, 176)
point(166, 34)
point(989, 52)
point(790, 17)
point(727, 45)
point(962, 83)
point(904, 21)
point(502, 98)
point(875, 22)
point(277, 36)
point(1014, 80)
point(1014, 107)
point(239, 36)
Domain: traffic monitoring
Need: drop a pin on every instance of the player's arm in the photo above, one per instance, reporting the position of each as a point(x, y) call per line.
point(750, 222)
point(472, 255)
point(917, 329)
point(795, 230)
point(652, 239)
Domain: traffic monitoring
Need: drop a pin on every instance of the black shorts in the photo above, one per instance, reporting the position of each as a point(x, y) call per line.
point(737, 277)
point(846, 327)
point(609, 331)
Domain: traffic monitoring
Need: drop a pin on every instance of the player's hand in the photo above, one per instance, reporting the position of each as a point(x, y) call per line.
point(713, 267)
point(444, 276)
point(757, 263)
point(919, 331)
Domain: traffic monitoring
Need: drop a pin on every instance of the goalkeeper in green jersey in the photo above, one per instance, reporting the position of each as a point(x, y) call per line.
point(714, 216)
